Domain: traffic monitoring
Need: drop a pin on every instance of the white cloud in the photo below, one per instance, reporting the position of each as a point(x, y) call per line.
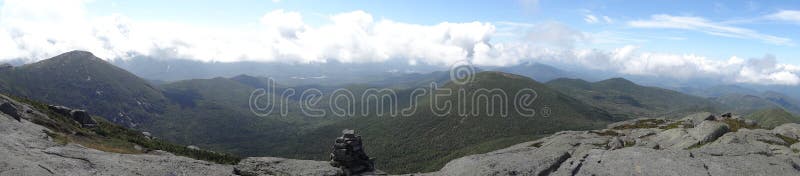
point(786, 15)
point(629, 60)
point(591, 19)
point(708, 27)
point(36, 30)
point(608, 19)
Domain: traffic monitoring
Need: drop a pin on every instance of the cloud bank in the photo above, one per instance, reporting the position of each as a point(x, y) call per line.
point(33, 30)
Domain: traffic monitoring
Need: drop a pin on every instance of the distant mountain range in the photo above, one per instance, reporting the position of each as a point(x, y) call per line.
point(626, 99)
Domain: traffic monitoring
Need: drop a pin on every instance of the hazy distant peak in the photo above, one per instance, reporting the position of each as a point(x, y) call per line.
point(617, 81)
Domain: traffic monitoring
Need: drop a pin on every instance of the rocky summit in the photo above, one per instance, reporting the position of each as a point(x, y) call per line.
point(700, 144)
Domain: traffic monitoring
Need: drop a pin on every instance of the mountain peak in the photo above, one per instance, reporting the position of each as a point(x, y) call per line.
point(618, 81)
point(75, 56)
point(78, 53)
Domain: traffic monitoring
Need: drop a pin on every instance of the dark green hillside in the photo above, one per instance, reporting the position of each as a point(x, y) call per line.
point(623, 98)
point(79, 79)
point(770, 118)
point(425, 142)
point(744, 104)
point(786, 102)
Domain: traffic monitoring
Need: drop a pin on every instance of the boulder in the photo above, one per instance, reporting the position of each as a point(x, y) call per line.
point(677, 138)
point(83, 118)
point(263, 166)
point(61, 110)
point(708, 131)
point(519, 162)
point(615, 143)
point(80, 116)
point(696, 119)
point(743, 142)
point(10, 110)
point(791, 130)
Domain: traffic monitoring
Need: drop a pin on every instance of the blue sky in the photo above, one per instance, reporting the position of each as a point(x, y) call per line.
point(737, 41)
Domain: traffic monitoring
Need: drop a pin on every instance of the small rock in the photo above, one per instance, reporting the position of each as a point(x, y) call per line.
point(193, 147)
point(83, 118)
point(708, 131)
point(695, 119)
point(615, 143)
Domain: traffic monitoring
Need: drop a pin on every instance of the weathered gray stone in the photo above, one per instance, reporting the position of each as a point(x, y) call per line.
point(529, 162)
point(263, 166)
point(615, 143)
point(791, 130)
point(697, 118)
point(677, 138)
point(26, 150)
point(708, 131)
point(750, 165)
point(743, 142)
point(640, 161)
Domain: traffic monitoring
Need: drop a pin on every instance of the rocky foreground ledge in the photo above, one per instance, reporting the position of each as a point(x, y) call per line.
point(700, 144)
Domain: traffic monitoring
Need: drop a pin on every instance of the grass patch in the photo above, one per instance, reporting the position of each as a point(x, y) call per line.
point(537, 145)
point(735, 125)
point(58, 138)
point(644, 123)
point(787, 139)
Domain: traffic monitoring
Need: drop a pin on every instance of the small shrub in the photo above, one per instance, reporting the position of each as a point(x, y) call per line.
point(735, 125)
point(605, 133)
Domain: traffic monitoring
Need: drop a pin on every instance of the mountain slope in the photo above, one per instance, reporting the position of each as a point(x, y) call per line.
point(79, 79)
point(744, 103)
point(786, 102)
point(427, 141)
point(771, 118)
point(624, 98)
